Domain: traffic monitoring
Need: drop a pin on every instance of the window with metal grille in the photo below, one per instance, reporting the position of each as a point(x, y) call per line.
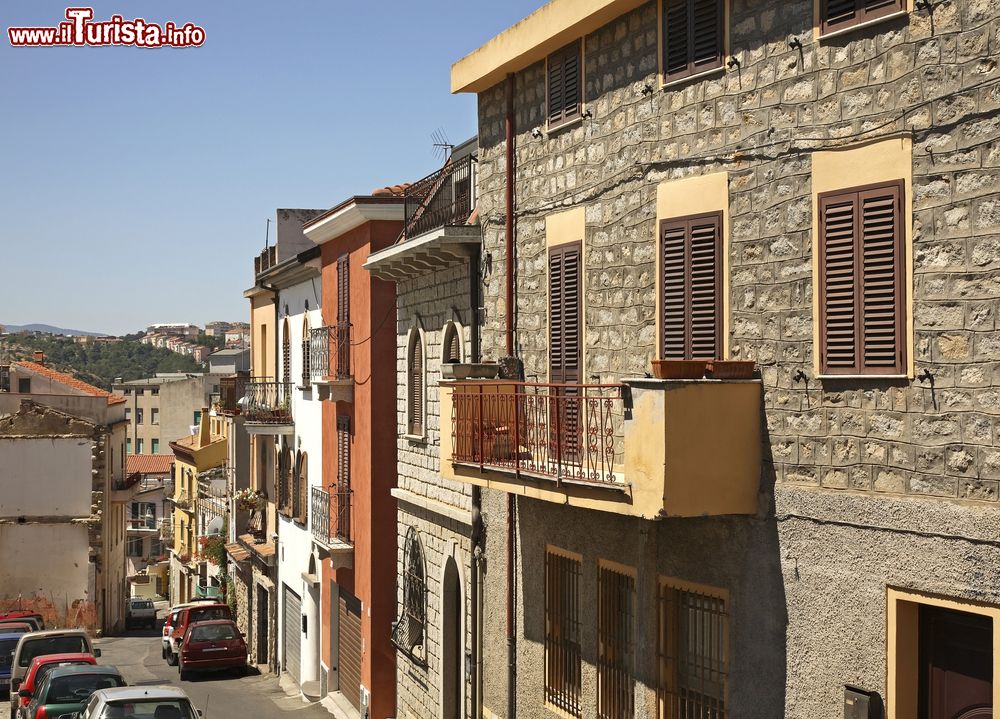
point(286, 353)
point(564, 85)
point(284, 479)
point(693, 653)
point(409, 628)
point(693, 36)
point(615, 643)
point(841, 14)
point(343, 451)
point(861, 281)
point(691, 287)
point(451, 344)
point(562, 631)
point(306, 362)
point(415, 385)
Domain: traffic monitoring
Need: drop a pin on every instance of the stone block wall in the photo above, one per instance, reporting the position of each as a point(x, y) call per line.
point(937, 81)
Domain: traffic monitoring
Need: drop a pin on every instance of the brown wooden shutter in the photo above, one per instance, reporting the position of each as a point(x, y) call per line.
point(564, 313)
point(452, 345)
point(343, 290)
point(691, 299)
point(861, 281)
point(693, 36)
point(415, 399)
point(840, 14)
point(343, 452)
point(565, 84)
point(286, 353)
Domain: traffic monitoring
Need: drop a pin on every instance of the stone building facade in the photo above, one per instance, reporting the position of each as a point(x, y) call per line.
point(877, 494)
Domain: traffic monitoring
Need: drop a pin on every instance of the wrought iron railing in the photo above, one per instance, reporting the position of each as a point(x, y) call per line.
point(446, 197)
point(268, 402)
point(265, 260)
point(330, 516)
point(232, 390)
point(123, 483)
point(330, 352)
point(560, 431)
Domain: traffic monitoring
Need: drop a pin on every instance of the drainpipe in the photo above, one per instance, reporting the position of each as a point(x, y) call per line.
point(511, 501)
point(476, 680)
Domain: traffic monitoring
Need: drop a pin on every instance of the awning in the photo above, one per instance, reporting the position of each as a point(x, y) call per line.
point(237, 552)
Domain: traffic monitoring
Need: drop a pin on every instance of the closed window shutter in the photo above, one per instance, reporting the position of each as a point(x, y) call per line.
point(564, 80)
point(693, 33)
point(691, 300)
point(861, 264)
point(564, 313)
point(452, 346)
point(343, 452)
point(286, 353)
point(840, 14)
point(416, 387)
point(343, 347)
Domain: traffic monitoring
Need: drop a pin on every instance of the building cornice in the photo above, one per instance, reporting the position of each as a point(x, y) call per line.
point(353, 213)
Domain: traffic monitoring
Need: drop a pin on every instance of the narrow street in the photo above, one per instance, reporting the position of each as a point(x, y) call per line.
point(218, 695)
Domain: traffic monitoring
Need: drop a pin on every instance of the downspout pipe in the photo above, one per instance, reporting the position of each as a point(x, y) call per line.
point(511, 500)
point(475, 588)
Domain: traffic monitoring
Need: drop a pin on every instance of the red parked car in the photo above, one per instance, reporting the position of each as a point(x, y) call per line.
point(189, 615)
point(31, 617)
point(212, 645)
point(40, 666)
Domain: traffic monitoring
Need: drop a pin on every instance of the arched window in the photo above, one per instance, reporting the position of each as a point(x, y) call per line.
point(415, 398)
point(284, 480)
point(451, 344)
point(306, 362)
point(286, 353)
point(409, 629)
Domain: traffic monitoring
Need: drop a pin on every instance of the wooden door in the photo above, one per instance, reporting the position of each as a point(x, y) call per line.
point(956, 664)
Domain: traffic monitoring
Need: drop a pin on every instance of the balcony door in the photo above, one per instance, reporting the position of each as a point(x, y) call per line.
point(564, 352)
point(956, 664)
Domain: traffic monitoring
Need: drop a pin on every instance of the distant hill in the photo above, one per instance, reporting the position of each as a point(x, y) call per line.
point(51, 330)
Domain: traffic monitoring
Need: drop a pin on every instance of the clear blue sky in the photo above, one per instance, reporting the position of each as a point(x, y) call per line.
point(135, 183)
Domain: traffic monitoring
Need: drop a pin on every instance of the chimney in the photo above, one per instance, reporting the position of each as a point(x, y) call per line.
point(39, 357)
point(204, 429)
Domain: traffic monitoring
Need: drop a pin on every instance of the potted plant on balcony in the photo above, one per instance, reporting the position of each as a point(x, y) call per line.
point(247, 500)
point(469, 370)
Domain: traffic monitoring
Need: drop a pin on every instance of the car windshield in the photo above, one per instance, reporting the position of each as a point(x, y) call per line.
point(142, 604)
point(77, 688)
point(7, 647)
point(204, 615)
point(213, 633)
point(149, 709)
point(46, 668)
point(51, 645)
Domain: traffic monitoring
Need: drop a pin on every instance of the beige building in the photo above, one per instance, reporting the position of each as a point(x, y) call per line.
point(65, 497)
point(164, 408)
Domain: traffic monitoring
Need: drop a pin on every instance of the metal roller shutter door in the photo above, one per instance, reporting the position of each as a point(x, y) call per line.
point(349, 642)
point(292, 637)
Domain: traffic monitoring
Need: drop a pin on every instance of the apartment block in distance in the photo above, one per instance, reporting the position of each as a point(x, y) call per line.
point(671, 187)
point(164, 408)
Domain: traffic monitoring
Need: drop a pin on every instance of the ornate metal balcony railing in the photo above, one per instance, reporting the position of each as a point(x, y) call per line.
point(560, 431)
point(232, 390)
point(330, 352)
point(330, 517)
point(446, 197)
point(268, 402)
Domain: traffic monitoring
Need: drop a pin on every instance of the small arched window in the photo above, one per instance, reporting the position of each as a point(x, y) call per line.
point(451, 344)
point(286, 353)
point(415, 385)
point(409, 629)
point(306, 362)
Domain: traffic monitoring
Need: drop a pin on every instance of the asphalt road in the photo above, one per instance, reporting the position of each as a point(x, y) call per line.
point(218, 695)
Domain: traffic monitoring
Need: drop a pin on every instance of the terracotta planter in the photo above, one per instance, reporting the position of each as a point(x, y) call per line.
point(679, 369)
point(730, 369)
point(474, 370)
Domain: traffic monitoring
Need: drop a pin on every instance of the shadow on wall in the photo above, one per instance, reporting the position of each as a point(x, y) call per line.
point(77, 614)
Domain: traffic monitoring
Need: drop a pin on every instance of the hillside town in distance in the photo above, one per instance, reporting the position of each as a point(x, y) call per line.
point(673, 393)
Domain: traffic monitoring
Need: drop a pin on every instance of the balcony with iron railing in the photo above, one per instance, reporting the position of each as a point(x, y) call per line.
point(647, 448)
point(330, 521)
point(138, 526)
point(268, 407)
point(232, 390)
point(330, 362)
point(123, 489)
point(443, 198)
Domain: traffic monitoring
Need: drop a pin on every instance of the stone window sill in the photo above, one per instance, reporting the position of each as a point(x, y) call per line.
point(862, 25)
point(870, 377)
point(418, 438)
point(554, 129)
point(693, 78)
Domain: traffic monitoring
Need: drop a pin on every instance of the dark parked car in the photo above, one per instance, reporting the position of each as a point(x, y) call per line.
point(65, 690)
point(212, 645)
point(8, 643)
point(189, 615)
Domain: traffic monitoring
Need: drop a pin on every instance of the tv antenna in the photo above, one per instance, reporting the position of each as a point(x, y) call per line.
point(442, 148)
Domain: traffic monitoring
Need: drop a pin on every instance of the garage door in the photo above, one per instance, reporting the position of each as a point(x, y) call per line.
point(349, 642)
point(292, 644)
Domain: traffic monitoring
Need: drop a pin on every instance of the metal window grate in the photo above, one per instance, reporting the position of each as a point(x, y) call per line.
point(408, 629)
point(562, 632)
point(694, 654)
point(615, 644)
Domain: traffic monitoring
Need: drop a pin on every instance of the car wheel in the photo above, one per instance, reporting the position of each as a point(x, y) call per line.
point(171, 658)
point(185, 674)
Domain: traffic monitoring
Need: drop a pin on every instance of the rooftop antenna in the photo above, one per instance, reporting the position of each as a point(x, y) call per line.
point(267, 233)
point(442, 148)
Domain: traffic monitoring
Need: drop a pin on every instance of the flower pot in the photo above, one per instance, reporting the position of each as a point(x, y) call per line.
point(679, 369)
point(469, 370)
point(730, 369)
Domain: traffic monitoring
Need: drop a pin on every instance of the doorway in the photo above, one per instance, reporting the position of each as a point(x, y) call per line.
point(262, 628)
point(956, 664)
point(452, 674)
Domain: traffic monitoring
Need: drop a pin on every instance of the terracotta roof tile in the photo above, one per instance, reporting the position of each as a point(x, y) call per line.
point(70, 381)
point(149, 463)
